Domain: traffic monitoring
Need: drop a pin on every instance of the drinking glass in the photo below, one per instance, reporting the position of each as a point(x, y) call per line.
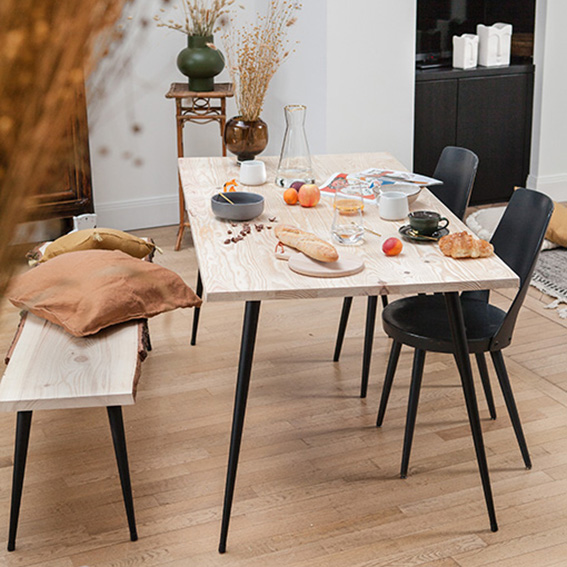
point(348, 204)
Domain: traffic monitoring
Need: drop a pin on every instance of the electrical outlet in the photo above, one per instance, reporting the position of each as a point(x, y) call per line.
point(83, 222)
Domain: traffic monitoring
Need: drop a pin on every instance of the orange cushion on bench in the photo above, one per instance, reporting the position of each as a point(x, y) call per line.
point(87, 291)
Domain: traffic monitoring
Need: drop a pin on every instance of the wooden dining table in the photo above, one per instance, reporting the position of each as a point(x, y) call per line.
point(249, 271)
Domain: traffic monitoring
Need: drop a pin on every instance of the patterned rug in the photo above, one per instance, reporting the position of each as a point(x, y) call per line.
point(550, 276)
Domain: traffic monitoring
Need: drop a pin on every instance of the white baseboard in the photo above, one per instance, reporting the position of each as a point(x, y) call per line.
point(555, 186)
point(138, 213)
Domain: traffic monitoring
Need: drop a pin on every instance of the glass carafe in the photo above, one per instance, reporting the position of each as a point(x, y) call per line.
point(295, 160)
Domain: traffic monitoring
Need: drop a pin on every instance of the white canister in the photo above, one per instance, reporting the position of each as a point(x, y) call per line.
point(393, 205)
point(494, 44)
point(465, 51)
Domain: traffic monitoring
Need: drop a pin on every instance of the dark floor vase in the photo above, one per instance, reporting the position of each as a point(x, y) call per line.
point(200, 63)
point(246, 138)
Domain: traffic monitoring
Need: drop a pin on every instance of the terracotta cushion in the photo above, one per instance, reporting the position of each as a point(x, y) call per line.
point(87, 291)
point(557, 229)
point(98, 239)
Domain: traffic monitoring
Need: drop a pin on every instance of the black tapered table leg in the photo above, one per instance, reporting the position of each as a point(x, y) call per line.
point(458, 332)
point(197, 310)
point(23, 426)
point(345, 312)
point(485, 379)
point(119, 441)
point(247, 344)
point(368, 342)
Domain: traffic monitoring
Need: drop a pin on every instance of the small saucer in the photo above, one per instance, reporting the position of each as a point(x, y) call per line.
point(407, 232)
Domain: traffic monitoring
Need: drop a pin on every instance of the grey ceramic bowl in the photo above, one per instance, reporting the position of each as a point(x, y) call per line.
point(246, 206)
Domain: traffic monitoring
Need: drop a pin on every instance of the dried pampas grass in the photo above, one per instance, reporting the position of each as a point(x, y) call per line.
point(46, 49)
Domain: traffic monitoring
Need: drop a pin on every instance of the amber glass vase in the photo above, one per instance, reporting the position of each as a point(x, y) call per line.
point(246, 138)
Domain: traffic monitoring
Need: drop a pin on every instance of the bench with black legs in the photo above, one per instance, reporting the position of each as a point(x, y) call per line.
point(51, 369)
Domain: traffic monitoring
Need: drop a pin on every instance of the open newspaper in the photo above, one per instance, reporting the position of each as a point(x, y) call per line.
point(374, 178)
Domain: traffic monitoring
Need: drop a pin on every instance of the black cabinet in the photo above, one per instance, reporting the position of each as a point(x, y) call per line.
point(488, 111)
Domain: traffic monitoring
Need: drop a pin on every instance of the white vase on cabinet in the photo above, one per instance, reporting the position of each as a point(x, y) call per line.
point(465, 51)
point(494, 44)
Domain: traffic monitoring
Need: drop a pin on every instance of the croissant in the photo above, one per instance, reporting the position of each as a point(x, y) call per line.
point(464, 245)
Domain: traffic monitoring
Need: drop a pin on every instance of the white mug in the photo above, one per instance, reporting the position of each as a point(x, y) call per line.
point(252, 172)
point(393, 205)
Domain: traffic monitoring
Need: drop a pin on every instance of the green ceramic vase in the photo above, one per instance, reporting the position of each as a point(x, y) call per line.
point(200, 63)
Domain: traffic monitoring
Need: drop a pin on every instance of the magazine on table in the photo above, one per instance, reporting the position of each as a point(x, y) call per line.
point(373, 178)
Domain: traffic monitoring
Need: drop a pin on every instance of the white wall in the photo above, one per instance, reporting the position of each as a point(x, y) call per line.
point(371, 70)
point(549, 140)
point(338, 70)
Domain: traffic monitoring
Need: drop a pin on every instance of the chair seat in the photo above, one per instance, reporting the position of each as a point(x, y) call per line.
point(422, 322)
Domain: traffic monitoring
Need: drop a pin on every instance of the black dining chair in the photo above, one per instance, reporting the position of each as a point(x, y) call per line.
point(456, 167)
point(422, 322)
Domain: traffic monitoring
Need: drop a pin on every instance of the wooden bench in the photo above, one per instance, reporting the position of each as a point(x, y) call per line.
point(50, 369)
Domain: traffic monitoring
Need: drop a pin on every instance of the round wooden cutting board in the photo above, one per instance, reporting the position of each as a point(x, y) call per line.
point(346, 265)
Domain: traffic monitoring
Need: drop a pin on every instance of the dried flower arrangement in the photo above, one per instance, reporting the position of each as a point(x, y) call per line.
point(254, 52)
point(46, 48)
point(199, 16)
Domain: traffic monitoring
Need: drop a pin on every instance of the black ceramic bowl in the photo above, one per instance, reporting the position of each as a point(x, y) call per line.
point(247, 206)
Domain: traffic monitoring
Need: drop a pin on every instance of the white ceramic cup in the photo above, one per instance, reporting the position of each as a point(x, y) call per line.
point(252, 172)
point(393, 205)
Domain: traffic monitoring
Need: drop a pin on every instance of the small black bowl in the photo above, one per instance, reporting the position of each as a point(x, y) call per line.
point(247, 206)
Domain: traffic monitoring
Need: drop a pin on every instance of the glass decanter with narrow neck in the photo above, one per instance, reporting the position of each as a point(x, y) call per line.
point(295, 160)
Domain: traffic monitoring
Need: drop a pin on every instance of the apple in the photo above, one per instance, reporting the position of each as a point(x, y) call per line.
point(297, 185)
point(392, 246)
point(309, 195)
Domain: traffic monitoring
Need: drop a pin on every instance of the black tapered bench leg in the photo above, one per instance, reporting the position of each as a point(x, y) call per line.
point(197, 310)
point(119, 441)
point(23, 427)
point(347, 303)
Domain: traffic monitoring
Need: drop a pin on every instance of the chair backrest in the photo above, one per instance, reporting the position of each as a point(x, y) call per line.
point(517, 240)
point(457, 169)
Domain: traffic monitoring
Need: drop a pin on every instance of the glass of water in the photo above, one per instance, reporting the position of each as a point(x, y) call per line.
point(348, 204)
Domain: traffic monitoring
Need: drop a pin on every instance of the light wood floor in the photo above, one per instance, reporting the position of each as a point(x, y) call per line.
point(318, 484)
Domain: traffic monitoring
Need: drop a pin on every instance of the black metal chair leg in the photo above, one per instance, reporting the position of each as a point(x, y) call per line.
point(504, 381)
point(345, 312)
point(119, 441)
point(413, 401)
point(197, 310)
point(458, 332)
point(388, 380)
point(384, 300)
point(23, 427)
point(249, 329)
point(368, 341)
point(485, 379)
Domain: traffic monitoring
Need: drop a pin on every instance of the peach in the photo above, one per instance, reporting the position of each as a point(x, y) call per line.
point(309, 195)
point(392, 246)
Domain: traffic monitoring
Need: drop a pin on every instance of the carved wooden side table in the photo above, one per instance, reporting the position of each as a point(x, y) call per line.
point(199, 108)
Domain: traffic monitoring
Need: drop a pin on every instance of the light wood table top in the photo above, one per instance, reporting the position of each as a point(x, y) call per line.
point(249, 270)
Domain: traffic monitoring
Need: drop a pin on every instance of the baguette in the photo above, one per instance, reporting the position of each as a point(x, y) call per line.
point(307, 243)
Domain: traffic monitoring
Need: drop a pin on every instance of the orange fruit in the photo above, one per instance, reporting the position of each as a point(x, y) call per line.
point(392, 246)
point(290, 196)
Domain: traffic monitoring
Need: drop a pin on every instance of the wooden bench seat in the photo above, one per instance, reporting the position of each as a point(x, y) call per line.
point(50, 369)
